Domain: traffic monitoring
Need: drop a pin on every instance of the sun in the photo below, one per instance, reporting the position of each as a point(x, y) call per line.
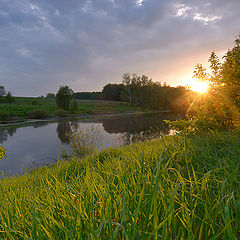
point(199, 86)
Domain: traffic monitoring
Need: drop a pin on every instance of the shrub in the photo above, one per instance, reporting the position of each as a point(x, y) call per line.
point(38, 114)
point(5, 116)
point(61, 113)
point(35, 102)
point(84, 143)
point(2, 100)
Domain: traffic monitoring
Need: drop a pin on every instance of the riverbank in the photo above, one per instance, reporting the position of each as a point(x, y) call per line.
point(28, 110)
point(177, 187)
point(24, 109)
point(22, 122)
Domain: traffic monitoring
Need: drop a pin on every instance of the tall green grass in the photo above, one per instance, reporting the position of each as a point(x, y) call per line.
point(178, 187)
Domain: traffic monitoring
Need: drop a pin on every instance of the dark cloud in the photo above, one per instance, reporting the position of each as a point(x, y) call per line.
point(88, 43)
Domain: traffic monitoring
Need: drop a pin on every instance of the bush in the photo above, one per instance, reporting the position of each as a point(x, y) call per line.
point(5, 116)
point(2, 100)
point(35, 102)
point(61, 113)
point(38, 114)
point(84, 143)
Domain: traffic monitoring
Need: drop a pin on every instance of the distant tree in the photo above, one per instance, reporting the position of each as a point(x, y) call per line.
point(9, 98)
point(2, 91)
point(126, 80)
point(112, 92)
point(87, 95)
point(50, 95)
point(64, 97)
point(142, 91)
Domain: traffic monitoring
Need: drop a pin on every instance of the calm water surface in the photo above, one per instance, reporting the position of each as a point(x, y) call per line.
point(40, 144)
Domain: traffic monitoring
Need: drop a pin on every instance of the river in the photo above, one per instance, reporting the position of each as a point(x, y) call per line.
point(39, 144)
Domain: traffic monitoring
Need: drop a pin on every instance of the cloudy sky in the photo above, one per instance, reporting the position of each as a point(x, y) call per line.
point(88, 43)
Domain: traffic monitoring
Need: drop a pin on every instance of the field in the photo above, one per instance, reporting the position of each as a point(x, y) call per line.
point(177, 187)
point(24, 106)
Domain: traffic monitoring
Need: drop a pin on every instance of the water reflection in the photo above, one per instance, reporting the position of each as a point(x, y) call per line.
point(5, 132)
point(65, 129)
point(63, 132)
point(39, 144)
point(138, 128)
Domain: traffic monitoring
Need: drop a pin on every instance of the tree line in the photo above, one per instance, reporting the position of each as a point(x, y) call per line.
point(141, 91)
point(136, 90)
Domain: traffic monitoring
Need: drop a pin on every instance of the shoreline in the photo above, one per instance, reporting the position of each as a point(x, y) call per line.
point(77, 116)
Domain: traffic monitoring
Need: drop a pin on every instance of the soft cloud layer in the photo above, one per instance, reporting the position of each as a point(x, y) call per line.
point(88, 43)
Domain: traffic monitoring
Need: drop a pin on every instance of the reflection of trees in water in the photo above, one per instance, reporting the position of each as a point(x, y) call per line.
point(134, 127)
point(10, 131)
point(40, 124)
point(65, 129)
point(5, 132)
point(138, 128)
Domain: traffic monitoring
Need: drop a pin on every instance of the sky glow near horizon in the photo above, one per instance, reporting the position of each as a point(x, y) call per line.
point(88, 43)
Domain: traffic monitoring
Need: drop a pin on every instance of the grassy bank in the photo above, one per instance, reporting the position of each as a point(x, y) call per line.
point(178, 187)
point(23, 107)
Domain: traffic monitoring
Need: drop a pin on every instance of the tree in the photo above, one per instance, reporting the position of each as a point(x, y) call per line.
point(9, 98)
point(88, 95)
point(50, 95)
point(2, 91)
point(112, 92)
point(220, 107)
point(64, 97)
point(200, 73)
point(126, 80)
point(230, 73)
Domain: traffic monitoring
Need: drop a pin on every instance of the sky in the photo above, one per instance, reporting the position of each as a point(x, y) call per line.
point(86, 44)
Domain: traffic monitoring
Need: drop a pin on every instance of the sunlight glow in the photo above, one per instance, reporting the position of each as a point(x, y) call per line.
point(199, 86)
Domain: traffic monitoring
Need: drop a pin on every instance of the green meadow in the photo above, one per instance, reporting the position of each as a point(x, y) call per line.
point(23, 107)
point(176, 187)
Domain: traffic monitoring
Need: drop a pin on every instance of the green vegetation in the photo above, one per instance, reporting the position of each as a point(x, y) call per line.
point(2, 153)
point(220, 107)
point(23, 106)
point(64, 97)
point(88, 95)
point(178, 187)
point(74, 106)
point(38, 114)
point(142, 91)
point(9, 98)
point(185, 186)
